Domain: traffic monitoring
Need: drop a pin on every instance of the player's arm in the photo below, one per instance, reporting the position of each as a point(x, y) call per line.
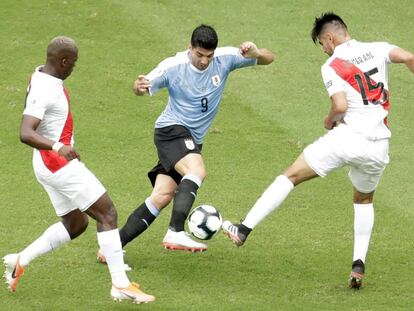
point(141, 85)
point(398, 55)
point(338, 109)
point(250, 50)
point(29, 136)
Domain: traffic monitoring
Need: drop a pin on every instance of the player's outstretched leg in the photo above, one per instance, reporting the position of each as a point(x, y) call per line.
point(132, 292)
point(13, 270)
point(237, 233)
point(181, 241)
point(357, 274)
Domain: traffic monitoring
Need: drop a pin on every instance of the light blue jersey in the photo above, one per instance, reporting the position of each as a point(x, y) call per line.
point(194, 95)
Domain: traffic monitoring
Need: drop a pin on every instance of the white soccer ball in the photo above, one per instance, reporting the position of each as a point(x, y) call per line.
point(204, 222)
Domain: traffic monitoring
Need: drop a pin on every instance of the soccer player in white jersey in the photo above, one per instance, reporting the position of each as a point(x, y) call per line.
point(74, 191)
point(195, 81)
point(355, 76)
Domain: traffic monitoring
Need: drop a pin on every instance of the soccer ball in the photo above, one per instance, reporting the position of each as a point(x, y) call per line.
point(204, 222)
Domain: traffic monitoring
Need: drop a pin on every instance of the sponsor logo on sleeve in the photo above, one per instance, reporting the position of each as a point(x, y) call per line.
point(328, 84)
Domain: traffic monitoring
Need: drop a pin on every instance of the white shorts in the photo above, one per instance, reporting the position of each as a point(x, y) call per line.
point(72, 187)
point(341, 146)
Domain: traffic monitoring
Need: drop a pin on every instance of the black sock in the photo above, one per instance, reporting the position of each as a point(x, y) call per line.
point(139, 220)
point(183, 200)
point(244, 230)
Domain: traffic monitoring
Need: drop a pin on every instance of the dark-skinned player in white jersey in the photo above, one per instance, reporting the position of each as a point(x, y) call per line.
point(74, 191)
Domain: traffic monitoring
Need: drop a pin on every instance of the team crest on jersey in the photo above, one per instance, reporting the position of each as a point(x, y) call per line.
point(189, 144)
point(216, 80)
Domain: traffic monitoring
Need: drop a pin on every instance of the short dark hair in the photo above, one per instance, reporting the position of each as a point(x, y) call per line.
point(204, 36)
point(320, 22)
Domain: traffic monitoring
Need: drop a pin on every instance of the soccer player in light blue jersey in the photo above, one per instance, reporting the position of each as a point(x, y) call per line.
point(195, 81)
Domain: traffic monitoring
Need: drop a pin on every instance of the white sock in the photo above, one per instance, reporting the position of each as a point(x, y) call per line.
point(54, 236)
point(151, 207)
point(274, 195)
point(110, 245)
point(195, 179)
point(363, 224)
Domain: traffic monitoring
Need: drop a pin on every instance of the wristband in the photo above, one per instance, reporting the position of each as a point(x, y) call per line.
point(56, 146)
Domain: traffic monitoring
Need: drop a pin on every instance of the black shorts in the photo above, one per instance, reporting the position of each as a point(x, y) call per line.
point(173, 143)
point(159, 169)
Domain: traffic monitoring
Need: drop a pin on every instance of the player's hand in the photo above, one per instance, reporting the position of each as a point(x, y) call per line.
point(141, 85)
point(329, 124)
point(249, 50)
point(69, 152)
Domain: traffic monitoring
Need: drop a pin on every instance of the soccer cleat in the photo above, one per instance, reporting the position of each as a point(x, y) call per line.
point(235, 233)
point(181, 241)
point(13, 270)
point(101, 259)
point(357, 274)
point(132, 292)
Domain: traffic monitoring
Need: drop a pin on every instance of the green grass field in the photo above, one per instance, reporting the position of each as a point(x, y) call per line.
point(297, 259)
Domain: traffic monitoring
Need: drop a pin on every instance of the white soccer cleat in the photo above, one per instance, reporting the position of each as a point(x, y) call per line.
point(181, 241)
point(132, 292)
point(13, 270)
point(101, 259)
point(232, 231)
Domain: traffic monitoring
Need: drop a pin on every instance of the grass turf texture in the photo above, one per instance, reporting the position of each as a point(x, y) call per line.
point(297, 259)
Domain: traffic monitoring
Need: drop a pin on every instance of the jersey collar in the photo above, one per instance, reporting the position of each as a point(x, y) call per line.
point(345, 45)
point(48, 77)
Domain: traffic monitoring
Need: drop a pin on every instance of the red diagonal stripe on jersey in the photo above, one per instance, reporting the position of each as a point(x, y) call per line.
point(347, 71)
point(52, 160)
point(67, 133)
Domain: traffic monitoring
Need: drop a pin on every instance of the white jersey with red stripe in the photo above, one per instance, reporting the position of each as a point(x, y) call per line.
point(361, 71)
point(48, 101)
